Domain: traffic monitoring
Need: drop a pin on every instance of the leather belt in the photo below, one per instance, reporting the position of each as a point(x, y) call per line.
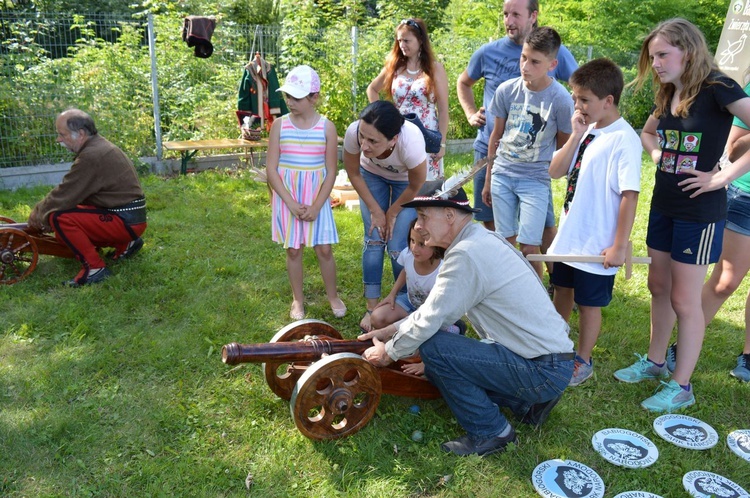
point(555, 357)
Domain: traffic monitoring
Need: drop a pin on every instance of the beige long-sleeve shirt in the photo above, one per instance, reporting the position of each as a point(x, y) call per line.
point(486, 279)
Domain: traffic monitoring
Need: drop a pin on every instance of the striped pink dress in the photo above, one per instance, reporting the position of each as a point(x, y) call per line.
point(302, 170)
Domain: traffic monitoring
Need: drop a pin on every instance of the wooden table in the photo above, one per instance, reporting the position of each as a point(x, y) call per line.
point(189, 148)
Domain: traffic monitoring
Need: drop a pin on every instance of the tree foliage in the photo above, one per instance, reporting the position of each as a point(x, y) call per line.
point(622, 24)
point(346, 41)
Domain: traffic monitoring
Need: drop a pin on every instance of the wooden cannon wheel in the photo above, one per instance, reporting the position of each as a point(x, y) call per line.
point(282, 375)
point(18, 254)
point(5, 219)
point(335, 397)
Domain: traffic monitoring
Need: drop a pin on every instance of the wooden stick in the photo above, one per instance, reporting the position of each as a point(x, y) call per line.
point(581, 258)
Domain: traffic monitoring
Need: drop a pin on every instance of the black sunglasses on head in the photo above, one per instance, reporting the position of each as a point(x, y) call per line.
point(412, 23)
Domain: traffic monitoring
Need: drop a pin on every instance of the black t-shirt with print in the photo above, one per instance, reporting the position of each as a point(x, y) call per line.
point(695, 142)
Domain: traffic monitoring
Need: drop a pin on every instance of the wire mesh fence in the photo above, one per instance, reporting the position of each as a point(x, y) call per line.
point(102, 64)
point(143, 84)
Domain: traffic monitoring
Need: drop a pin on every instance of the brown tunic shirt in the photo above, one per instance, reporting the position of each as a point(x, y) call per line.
point(101, 175)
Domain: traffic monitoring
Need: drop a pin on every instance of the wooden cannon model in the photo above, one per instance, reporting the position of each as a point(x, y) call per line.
point(20, 247)
point(332, 391)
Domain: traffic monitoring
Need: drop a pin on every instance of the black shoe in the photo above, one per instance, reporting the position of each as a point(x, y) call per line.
point(539, 412)
point(465, 445)
point(132, 249)
point(100, 276)
point(461, 327)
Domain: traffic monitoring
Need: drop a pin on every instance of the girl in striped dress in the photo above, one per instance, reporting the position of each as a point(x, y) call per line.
point(301, 167)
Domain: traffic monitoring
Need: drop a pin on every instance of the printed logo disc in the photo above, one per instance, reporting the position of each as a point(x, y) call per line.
point(565, 479)
point(637, 494)
point(686, 432)
point(702, 484)
point(739, 443)
point(625, 448)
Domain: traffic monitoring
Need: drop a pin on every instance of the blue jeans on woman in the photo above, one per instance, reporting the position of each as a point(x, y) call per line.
point(385, 193)
point(475, 378)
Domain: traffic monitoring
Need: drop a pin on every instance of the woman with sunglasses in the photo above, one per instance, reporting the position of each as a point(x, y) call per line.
point(416, 83)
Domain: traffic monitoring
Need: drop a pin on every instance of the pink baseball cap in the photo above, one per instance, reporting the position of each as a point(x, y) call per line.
point(301, 82)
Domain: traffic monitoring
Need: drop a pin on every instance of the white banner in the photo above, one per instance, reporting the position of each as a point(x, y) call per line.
point(733, 51)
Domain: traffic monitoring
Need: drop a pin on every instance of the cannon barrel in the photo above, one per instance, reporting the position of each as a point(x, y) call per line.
point(299, 351)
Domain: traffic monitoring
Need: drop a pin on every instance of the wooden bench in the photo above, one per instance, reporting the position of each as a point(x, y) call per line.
point(189, 148)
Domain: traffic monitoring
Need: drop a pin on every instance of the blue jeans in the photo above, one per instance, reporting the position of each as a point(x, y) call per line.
point(475, 378)
point(486, 211)
point(385, 193)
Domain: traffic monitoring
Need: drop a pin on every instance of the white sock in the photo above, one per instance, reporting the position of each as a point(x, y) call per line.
point(505, 432)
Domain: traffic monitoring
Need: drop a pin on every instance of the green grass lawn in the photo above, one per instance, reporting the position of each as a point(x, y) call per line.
point(119, 389)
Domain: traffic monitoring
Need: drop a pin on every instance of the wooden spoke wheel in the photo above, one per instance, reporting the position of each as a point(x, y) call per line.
point(282, 375)
point(5, 219)
point(18, 255)
point(335, 397)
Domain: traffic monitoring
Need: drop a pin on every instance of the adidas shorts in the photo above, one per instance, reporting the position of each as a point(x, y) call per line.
point(688, 242)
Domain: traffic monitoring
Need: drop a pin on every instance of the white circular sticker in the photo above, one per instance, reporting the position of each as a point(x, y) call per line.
point(702, 484)
point(637, 494)
point(739, 443)
point(566, 479)
point(686, 432)
point(625, 448)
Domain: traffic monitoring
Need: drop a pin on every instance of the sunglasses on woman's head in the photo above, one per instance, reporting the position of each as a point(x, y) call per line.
point(412, 23)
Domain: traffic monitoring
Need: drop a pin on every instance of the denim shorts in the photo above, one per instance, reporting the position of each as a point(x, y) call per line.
point(402, 299)
point(520, 206)
point(688, 242)
point(589, 289)
point(738, 210)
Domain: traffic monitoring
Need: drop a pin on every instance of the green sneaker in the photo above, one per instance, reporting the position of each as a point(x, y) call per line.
point(643, 369)
point(669, 397)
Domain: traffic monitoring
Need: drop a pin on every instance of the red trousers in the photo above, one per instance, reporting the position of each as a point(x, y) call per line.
point(86, 228)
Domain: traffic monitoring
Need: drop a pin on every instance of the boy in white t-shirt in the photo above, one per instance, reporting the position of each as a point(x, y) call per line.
point(602, 161)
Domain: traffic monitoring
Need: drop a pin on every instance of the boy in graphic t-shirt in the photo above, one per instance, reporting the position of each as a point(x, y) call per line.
point(532, 119)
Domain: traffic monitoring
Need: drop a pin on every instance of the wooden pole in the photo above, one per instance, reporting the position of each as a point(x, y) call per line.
point(581, 258)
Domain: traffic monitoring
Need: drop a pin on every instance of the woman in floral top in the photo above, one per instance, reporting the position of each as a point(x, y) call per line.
point(416, 83)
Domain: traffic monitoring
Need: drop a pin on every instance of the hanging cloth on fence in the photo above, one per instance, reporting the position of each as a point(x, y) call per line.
point(197, 32)
point(257, 92)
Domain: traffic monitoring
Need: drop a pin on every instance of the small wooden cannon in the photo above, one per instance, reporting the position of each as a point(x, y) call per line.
point(20, 247)
point(332, 391)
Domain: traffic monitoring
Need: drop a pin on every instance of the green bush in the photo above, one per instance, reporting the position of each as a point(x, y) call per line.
point(635, 106)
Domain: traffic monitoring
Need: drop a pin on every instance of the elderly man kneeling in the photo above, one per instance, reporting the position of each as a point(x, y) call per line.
point(524, 359)
point(99, 203)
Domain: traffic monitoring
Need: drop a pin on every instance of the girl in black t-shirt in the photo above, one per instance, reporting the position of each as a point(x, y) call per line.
point(685, 136)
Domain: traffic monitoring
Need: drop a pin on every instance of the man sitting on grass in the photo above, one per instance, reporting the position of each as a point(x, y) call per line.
point(524, 359)
point(99, 203)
